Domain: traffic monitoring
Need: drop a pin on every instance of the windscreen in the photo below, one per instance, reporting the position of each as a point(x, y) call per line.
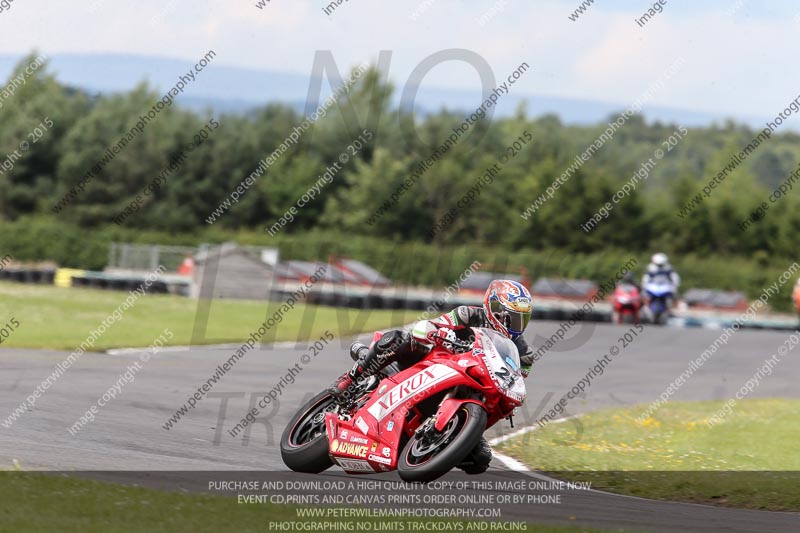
point(506, 348)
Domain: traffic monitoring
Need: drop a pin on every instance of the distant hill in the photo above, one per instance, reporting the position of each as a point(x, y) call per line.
point(237, 90)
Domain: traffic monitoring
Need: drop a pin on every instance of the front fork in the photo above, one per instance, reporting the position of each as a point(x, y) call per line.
point(429, 425)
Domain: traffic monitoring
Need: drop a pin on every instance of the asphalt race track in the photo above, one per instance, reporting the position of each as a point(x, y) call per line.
point(128, 432)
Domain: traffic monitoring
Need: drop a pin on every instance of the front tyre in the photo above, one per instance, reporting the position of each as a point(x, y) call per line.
point(477, 462)
point(304, 443)
point(432, 455)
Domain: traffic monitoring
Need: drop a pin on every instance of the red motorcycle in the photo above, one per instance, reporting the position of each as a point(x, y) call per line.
point(796, 296)
point(422, 421)
point(627, 302)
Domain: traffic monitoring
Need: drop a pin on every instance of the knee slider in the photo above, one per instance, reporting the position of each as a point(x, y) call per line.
point(393, 342)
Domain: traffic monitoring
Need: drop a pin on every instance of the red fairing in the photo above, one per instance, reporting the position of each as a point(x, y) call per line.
point(371, 440)
point(627, 302)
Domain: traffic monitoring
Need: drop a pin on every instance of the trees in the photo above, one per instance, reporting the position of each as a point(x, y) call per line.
point(32, 146)
point(86, 129)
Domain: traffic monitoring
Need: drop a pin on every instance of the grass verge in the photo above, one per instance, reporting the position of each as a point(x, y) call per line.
point(55, 318)
point(37, 502)
point(747, 460)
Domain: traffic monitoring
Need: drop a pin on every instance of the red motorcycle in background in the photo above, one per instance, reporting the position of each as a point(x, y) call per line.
point(422, 421)
point(796, 297)
point(627, 303)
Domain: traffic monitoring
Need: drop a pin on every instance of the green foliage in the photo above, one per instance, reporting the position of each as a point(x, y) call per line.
point(35, 501)
point(59, 319)
point(674, 454)
point(400, 241)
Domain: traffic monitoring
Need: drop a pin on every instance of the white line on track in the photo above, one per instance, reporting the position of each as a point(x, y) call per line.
point(129, 351)
point(510, 462)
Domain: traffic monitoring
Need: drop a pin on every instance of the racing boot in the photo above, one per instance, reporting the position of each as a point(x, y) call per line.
point(369, 361)
point(364, 359)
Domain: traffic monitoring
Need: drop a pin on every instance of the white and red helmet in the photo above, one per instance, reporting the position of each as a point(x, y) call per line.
point(508, 306)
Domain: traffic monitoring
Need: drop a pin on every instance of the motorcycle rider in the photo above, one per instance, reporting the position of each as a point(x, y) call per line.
point(629, 279)
point(507, 307)
point(660, 271)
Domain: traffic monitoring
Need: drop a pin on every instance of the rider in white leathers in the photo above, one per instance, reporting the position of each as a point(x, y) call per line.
point(659, 270)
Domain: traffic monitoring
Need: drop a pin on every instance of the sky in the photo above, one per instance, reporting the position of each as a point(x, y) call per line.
point(737, 56)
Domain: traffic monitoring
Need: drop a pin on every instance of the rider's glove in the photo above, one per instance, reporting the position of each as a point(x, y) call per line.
point(444, 337)
point(526, 362)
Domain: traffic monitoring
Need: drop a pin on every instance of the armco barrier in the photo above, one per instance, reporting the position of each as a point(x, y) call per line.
point(29, 274)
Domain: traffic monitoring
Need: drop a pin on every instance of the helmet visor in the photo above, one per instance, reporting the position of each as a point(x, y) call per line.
point(515, 321)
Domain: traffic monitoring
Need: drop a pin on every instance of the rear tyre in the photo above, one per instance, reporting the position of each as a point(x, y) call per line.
point(304, 443)
point(429, 457)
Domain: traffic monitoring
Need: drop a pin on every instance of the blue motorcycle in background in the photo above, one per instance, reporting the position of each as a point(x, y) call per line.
point(659, 296)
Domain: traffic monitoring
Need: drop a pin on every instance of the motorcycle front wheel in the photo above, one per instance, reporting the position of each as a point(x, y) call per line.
point(304, 443)
point(431, 456)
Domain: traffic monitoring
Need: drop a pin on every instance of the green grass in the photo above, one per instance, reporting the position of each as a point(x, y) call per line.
point(37, 502)
point(57, 318)
point(749, 459)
